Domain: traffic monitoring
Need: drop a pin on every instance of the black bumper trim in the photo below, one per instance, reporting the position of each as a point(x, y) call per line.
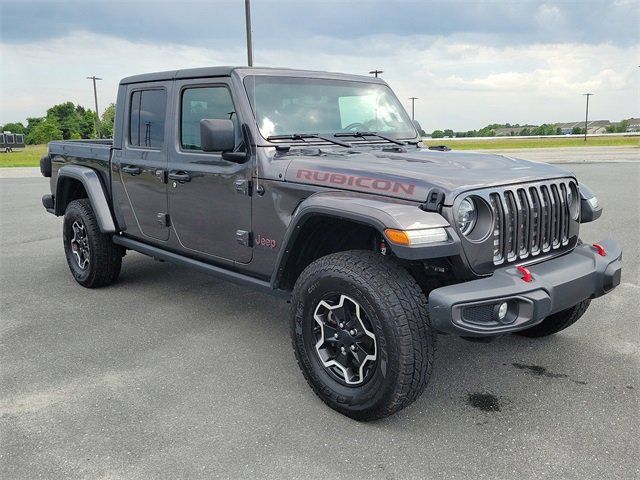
point(48, 203)
point(557, 284)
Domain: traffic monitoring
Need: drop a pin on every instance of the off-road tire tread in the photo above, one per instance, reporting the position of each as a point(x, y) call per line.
point(404, 299)
point(106, 260)
point(558, 321)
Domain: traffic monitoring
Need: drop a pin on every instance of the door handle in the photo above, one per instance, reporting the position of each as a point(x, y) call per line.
point(132, 170)
point(179, 176)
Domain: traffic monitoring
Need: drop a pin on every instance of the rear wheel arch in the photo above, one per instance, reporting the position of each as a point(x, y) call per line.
point(67, 190)
point(75, 182)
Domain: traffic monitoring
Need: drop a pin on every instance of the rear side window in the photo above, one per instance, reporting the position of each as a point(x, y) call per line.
point(9, 138)
point(19, 138)
point(199, 103)
point(146, 118)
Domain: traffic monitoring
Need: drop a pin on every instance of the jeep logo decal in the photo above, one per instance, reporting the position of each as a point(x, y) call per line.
point(367, 183)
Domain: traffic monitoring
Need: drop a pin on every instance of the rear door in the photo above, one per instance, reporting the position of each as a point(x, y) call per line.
point(211, 208)
point(143, 160)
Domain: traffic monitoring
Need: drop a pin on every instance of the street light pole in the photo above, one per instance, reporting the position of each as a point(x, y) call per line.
point(413, 107)
point(95, 97)
point(247, 17)
point(375, 72)
point(586, 115)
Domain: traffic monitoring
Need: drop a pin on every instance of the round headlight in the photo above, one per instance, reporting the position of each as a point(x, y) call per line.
point(466, 215)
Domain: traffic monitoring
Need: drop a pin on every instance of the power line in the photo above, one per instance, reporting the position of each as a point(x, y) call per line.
point(586, 115)
point(95, 97)
point(413, 107)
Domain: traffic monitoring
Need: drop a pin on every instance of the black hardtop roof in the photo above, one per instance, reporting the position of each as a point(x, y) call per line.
point(225, 71)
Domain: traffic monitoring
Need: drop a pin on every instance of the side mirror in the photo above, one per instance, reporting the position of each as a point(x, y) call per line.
point(216, 135)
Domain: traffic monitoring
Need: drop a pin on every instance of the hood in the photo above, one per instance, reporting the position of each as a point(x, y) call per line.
point(410, 175)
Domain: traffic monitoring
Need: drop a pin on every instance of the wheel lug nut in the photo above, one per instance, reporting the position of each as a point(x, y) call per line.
point(352, 332)
point(341, 325)
point(335, 335)
point(353, 348)
point(343, 350)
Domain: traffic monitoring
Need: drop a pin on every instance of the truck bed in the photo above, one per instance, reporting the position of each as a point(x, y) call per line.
point(95, 149)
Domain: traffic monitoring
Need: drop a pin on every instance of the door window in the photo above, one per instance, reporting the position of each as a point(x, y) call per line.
point(146, 118)
point(199, 103)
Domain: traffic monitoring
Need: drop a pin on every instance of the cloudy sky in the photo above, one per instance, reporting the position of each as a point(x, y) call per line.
point(470, 62)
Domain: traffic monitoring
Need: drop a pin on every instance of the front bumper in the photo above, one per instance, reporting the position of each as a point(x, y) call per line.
point(470, 309)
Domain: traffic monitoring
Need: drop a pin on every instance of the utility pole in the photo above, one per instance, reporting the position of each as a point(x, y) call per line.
point(586, 115)
point(247, 17)
point(95, 97)
point(375, 72)
point(413, 107)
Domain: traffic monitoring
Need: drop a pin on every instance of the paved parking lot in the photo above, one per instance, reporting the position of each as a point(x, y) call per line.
point(174, 374)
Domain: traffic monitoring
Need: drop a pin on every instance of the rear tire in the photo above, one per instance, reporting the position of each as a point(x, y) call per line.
point(379, 299)
point(558, 321)
point(94, 260)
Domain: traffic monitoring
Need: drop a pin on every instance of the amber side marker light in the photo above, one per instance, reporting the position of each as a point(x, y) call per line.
point(416, 237)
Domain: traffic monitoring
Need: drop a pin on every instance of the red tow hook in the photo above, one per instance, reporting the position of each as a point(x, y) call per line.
point(526, 274)
point(600, 249)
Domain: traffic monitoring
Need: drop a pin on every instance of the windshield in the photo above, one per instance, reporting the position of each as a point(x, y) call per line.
point(294, 105)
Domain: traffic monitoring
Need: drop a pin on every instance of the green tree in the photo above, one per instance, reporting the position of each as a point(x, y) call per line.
point(544, 129)
point(44, 132)
point(622, 126)
point(577, 131)
point(66, 117)
point(448, 133)
point(32, 122)
point(109, 116)
point(437, 134)
point(87, 124)
point(16, 127)
point(488, 131)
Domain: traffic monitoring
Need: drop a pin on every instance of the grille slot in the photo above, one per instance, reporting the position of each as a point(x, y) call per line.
point(529, 221)
point(480, 314)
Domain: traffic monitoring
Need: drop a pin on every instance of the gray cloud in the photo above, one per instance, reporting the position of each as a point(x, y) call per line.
point(201, 22)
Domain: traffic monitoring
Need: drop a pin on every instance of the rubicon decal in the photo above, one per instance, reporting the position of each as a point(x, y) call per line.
point(367, 183)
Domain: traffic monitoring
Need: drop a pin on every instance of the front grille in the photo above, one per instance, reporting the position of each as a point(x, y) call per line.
point(530, 220)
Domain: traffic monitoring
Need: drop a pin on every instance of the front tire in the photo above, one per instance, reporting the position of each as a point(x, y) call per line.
point(558, 321)
point(361, 334)
point(94, 260)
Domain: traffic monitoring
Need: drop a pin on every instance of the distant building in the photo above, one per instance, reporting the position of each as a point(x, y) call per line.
point(634, 125)
point(593, 127)
point(509, 131)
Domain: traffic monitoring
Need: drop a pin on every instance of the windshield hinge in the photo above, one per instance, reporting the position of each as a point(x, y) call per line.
point(434, 202)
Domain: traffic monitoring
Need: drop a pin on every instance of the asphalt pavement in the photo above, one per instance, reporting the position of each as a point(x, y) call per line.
point(173, 374)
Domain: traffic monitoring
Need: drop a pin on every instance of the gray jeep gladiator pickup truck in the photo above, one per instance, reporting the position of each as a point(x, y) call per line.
point(316, 187)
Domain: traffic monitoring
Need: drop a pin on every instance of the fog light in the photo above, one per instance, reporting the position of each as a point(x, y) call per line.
point(502, 310)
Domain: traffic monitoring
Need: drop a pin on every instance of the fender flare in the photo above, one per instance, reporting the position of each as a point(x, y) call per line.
point(97, 196)
point(377, 212)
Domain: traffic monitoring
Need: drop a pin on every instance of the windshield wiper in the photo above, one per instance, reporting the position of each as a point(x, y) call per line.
point(304, 136)
point(369, 134)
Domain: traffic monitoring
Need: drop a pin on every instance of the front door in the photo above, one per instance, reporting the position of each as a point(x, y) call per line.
point(142, 163)
point(209, 197)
